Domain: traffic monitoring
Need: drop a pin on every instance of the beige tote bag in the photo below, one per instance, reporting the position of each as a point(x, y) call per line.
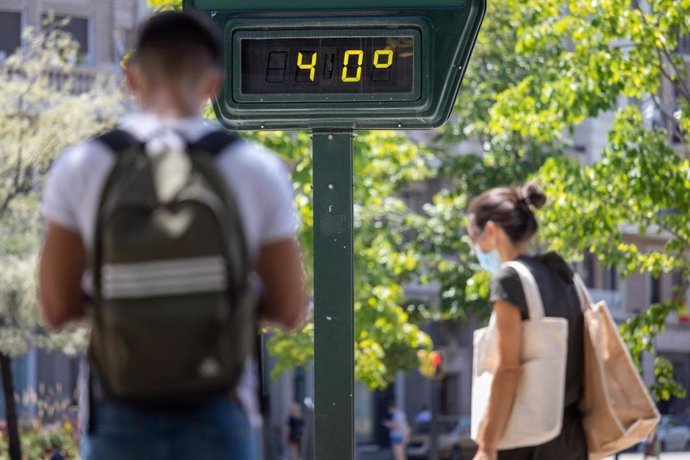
point(618, 411)
point(537, 413)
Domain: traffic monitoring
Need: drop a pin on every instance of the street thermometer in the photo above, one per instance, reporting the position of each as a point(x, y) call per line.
point(332, 67)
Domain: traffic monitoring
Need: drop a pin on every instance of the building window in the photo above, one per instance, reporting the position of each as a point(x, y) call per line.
point(683, 44)
point(10, 33)
point(679, 287)
point(610, 279)
point(78, 28)
point(299, 386)
point(450, 395)
point(654, 289)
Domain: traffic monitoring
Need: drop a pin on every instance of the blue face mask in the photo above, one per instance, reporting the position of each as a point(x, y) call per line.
point(489, 261)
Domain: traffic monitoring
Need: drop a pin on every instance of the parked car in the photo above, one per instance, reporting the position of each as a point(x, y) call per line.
point(672, 435)
point(454, 442)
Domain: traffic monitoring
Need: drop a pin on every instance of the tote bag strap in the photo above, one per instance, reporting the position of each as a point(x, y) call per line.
point(530, 288)
point(582, 292)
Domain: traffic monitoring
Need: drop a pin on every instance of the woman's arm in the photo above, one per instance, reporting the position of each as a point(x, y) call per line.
point(391, 424)
point(509, 337)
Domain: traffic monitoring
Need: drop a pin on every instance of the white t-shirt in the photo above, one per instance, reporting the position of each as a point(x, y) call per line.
point(256, 177)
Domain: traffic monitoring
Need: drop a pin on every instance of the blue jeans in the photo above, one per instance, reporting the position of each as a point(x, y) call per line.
point(216, 431)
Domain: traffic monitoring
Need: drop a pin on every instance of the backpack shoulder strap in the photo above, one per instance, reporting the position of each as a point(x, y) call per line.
point(582, 293)
point(214, 142)
point(117, 140)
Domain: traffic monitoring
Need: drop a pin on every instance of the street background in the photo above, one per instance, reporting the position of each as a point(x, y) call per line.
point(589, 98)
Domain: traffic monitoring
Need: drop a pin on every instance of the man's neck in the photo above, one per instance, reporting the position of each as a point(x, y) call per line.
point(169, 112)
point(171, 104)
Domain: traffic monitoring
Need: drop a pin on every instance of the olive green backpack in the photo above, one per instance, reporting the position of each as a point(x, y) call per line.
point(173, 311)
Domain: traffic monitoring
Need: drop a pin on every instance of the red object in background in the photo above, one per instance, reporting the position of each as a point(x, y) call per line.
point(679, 297)
point(683, 314)
point(436, 358)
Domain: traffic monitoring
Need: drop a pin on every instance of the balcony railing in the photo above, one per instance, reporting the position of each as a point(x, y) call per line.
point(80, 79)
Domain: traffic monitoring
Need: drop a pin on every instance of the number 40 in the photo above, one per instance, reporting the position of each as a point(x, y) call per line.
point(383, 59)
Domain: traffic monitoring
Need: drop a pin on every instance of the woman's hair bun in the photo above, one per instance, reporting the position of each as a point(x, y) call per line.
point(534, 196)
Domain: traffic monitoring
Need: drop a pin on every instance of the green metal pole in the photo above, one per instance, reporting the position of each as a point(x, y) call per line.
point(333, 295)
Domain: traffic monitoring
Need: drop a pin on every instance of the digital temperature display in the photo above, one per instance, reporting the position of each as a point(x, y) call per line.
point(346, 66)
point(328, 65)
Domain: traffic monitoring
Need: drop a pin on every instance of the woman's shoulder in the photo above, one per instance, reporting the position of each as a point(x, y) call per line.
point(558, 264)
point(506, 286)
point(547, 262)
point(547, 269)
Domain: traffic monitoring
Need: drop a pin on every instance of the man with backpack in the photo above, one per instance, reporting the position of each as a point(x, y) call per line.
point(179, 238)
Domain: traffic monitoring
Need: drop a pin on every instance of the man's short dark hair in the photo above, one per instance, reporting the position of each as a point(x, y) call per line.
point(174, 44)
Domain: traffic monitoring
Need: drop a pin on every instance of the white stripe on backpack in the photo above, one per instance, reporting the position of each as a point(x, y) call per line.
point(164, 277)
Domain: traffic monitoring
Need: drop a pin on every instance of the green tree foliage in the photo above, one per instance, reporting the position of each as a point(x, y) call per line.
point(640, 183)
point(610, 56)
point(590, 55)
point(540, 67)
point(165, 4)
point(385, 339)
point(484, 160)
point(46, 104)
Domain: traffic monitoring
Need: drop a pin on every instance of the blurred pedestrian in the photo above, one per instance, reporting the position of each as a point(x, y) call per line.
point(398, 430)
point(161, 224)
point(501, 224)
point(651, 445)
point(295, 428)
point(423, 417)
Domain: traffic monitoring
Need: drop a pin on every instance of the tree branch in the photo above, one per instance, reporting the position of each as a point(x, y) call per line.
point(670, 119)
point(680, 82)
point(669, 58)
point(684, 239)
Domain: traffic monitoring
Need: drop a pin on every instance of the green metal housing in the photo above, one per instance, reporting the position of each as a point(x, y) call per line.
point(448, 30)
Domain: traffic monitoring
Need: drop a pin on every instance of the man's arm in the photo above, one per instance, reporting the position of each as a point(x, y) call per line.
point(62, 265)
point(280, 269)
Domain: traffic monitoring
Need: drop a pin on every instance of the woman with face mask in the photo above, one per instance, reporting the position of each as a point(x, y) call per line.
point(501, 224)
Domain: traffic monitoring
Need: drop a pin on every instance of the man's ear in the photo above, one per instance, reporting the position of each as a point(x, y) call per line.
point(133, 77)
point(214, 83)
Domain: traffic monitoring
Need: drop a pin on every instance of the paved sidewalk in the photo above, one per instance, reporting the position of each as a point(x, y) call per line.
point(386, 455)
point(662, 456)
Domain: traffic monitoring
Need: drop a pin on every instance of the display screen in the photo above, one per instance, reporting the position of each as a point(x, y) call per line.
point(328, 65)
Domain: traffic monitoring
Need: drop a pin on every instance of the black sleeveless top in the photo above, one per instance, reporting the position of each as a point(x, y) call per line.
point(560, 299)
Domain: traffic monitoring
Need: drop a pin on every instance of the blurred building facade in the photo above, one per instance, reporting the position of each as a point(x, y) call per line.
point(105, 30)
